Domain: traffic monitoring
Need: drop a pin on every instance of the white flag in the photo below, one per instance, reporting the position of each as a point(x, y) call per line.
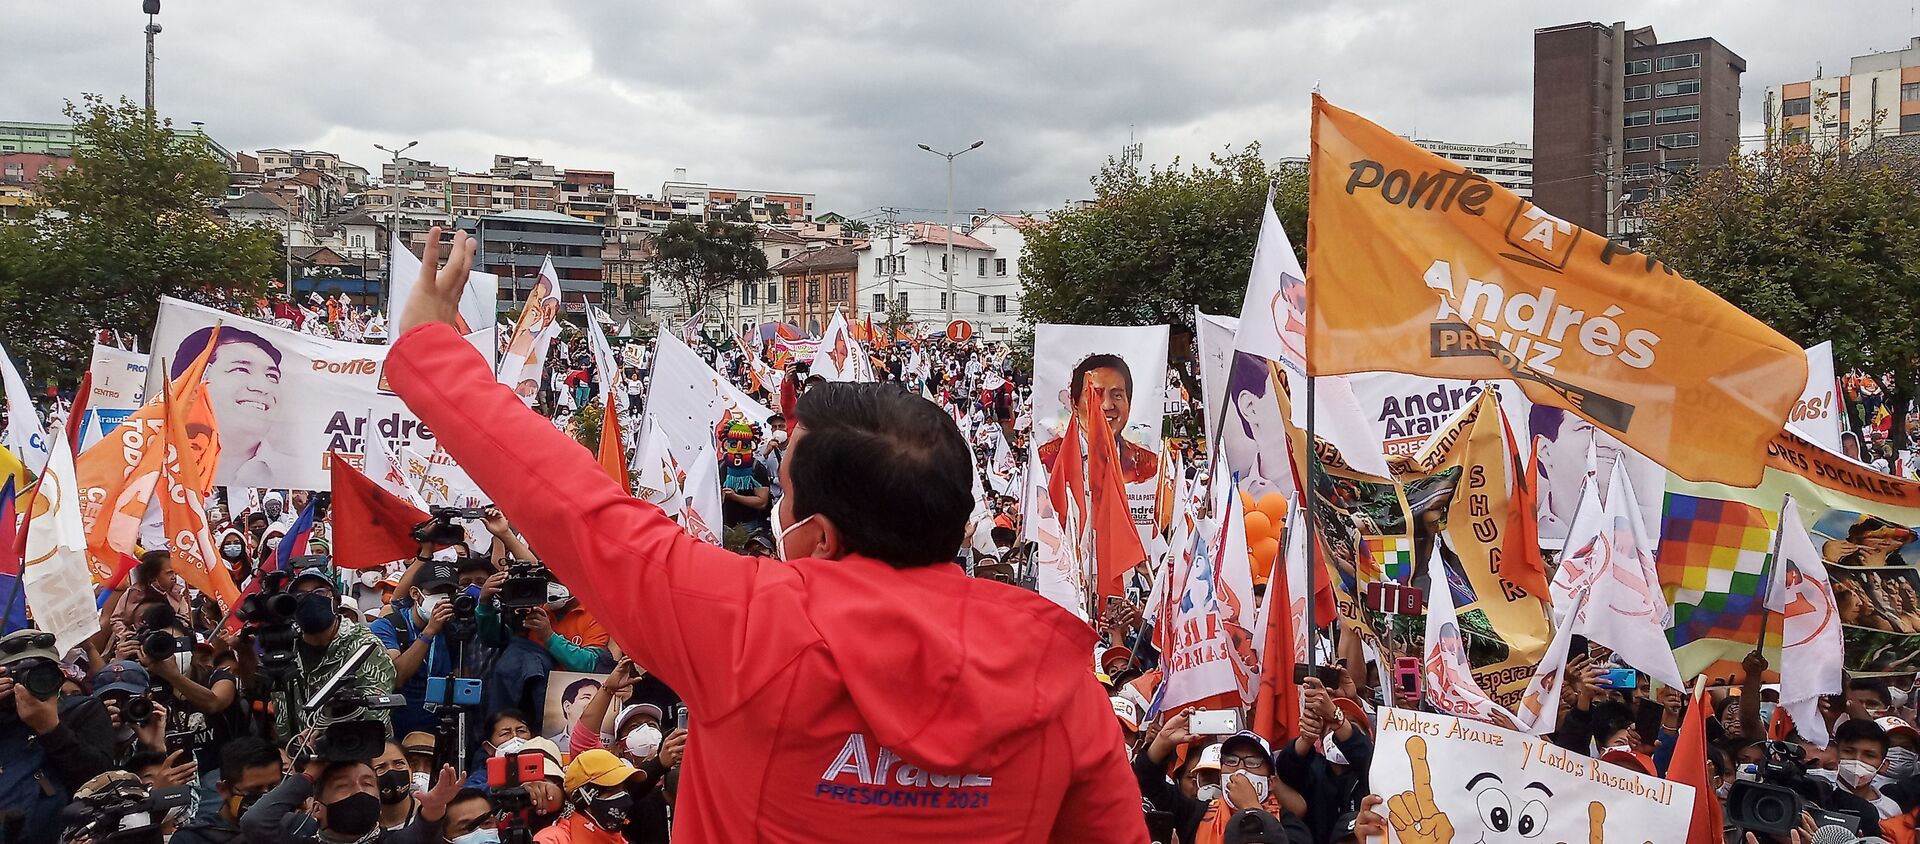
point(526, 355)
point(25, 437)
point(384, 467)
point(1810, 653)
point(59, 588)
point(838, 357)
point(1539, 711)
point(476, 299)
point(605, 361)
point(1625, 610)
point(1450, 684)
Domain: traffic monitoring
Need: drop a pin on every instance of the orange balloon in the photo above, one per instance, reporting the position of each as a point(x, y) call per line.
point(1246, 501)
point(1264, 553)
point(1275, 506)
point(1258, 527)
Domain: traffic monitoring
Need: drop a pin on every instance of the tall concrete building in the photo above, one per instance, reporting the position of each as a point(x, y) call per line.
point(1615, 110)
point(1509, 165)
point(1879, 97)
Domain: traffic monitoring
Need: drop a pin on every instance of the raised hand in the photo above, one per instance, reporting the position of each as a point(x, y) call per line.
point(436, 296)
point(1413, 814)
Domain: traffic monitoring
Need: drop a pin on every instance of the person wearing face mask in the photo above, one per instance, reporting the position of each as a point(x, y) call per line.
point(341, 803)
point(249, 767)
point(505, 732)
point(1328, 762)
point(151, 583)
point(571, 636)
point(1903, 749)
point(395, 779)
point(325, 644)
point(269, 546)
point(1862, 750)
point(1246, 783)
point(202, 701)
point(877, 485)
point(598, 801)
point(471, 819)
point(232, 548)
point(411, 635)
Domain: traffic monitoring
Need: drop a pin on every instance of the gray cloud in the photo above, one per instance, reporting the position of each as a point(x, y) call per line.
point(831, 98)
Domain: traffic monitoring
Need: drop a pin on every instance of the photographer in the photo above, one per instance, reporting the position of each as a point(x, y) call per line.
point(341, 803)
point(248, 768)
point(203, 703)
point(412, 637)
point(326, 642)
point(49, 745)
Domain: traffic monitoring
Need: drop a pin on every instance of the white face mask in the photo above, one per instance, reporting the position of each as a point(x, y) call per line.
point(1259, 788)
point(1208, 793)
point(428, 603)
point(510, 746)
point(643, 741)
point(1332, 752)
point(1723, 789)
point(1901, 762)
point(478, 836)
point(780, 532)
point(1899, 696)
point(1855, 773)
point(1748, 772)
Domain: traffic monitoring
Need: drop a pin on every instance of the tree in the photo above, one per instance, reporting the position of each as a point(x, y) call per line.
point(699, 262)
point(1815, 242)
point(856, 228)
point(133, 224)
point(1153, 245)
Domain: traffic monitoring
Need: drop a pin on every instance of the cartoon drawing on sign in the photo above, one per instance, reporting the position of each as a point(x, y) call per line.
point(243, 387)
point(1417, 819)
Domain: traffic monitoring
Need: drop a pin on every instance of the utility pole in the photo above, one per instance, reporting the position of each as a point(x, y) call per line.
point(152, 8)
point(892, 273)
point(950, 156)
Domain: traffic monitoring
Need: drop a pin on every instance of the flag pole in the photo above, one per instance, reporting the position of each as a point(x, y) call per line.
point(1766, 571)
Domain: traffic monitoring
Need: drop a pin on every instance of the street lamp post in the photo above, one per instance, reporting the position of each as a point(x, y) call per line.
point(152, 8)
point(393, 213)
point(950, 156)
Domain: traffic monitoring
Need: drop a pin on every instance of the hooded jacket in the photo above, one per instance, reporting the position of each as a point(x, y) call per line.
point(830, 700)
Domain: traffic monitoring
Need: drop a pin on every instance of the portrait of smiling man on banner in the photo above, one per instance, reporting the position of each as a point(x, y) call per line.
point(243, 386)
point(1110, 377)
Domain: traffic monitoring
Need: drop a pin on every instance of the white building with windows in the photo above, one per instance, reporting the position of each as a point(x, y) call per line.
point(909, 263)
point(1509, 165)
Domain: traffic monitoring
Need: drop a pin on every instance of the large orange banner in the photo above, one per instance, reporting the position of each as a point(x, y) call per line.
point(1416, 265)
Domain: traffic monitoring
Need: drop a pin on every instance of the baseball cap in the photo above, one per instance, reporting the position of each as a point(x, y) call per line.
point(1123, 710)
point(551, 766)
point(632, 709)
point(437, 574)
point(1115, 652)
point(1245, 737)
point(599, 767)
point(1630, 759)
point(1892, 725)
point(122, 676)
point(27, 644)
point(1209, 758)
point(419, 741)
point(311, 568)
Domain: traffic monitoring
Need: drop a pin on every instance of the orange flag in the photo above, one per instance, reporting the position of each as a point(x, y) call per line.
point(1520, 547)
point(1417, 265)
point(118, 475)
point(1276, 704)
point(1689, 767)
point(1117, 547)
point(191, 438)
point(612, 459)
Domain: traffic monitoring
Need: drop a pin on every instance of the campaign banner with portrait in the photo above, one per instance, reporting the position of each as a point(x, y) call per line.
point(1128, 365)
point(283, 399)
point(117, 381)
point(568, 693)
point(1712, 561)
point(1485, 783)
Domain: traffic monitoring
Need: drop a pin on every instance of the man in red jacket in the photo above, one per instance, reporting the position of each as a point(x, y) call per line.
point(864, 690)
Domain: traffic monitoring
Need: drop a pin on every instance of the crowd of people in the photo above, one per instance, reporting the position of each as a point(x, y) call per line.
point(885, 681)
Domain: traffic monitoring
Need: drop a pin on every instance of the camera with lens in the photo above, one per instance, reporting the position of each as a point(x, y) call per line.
point(524, 589)
point(136, 710)
point(39, 676)
point(269, 618)
point(442, 528)
point(354, 740)
point(1773, 805)
point(118, 807)
point(155, 634)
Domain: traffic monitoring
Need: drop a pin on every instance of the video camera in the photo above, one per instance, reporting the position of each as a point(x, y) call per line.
point(441, 528)
point(1774, 804)
point(344, 740)
point(124, 810)
point(525, 588)
point(268, 614)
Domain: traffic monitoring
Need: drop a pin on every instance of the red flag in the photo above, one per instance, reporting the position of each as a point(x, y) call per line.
point(371, 526)
point(1520, 549)
point(1689, 767)
point(612, 459)
point(78, 412)
point(1276, 704)
point(1117, 547)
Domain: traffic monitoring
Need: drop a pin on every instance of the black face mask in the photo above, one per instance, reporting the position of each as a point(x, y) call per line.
point(314, 612)
point(353, 815)
point(395, 786)
point(611, 811)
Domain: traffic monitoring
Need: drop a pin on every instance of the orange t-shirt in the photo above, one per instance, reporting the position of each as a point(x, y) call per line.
point(581, 628)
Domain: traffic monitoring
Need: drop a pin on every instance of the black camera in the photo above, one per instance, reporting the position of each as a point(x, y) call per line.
point(441, 529)
point(354, 740)
point(136, 710)
point(39, 676)
point(524, 589)
point(123, 810)
point(1773, 805)
point(269, 618)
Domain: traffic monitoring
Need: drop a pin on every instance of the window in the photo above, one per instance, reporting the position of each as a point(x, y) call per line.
point(1910, 92)
point(1675, 89)
point(1677, 114)
point(1639, 92)
point(1680, 62)
point(1680, 140)
point(773, 293)
point(1639, 66)
point(746, 293)
point(813, 291)
point(903, 300)
point(786, 253)
point(879, 265)
point(1639, 118)
point(943, 301)
point(1639, 144)
point(1800, 105)
point(983, 304)
point(1000, 266)
point(1681, 165)
point(1796, 136)
point(1639, 170)
point(879, 301)
point(1909, 123)
point(983, 267)
point(943, 262)
point(999, 304)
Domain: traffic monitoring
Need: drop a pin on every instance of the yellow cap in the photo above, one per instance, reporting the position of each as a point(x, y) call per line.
point(599, 767)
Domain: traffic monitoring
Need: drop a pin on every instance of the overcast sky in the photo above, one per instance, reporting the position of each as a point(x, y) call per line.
point(830, 98)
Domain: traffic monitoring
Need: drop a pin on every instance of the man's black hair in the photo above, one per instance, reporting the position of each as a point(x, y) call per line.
point(335, 769)
point(1100, 361)
point(575, 687)
point(144, 758)
point(889, 468)
point(243, 752)
point(1860, 729)
point(1872, 684)
point(191, 347)
point(493, 721)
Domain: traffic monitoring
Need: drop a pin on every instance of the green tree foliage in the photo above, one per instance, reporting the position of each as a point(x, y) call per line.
point(1816, 243)
point(132, 222)
point(700, 262)
point(1153, 244)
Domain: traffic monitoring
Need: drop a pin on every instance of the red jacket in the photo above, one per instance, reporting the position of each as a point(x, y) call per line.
point(829, 700)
